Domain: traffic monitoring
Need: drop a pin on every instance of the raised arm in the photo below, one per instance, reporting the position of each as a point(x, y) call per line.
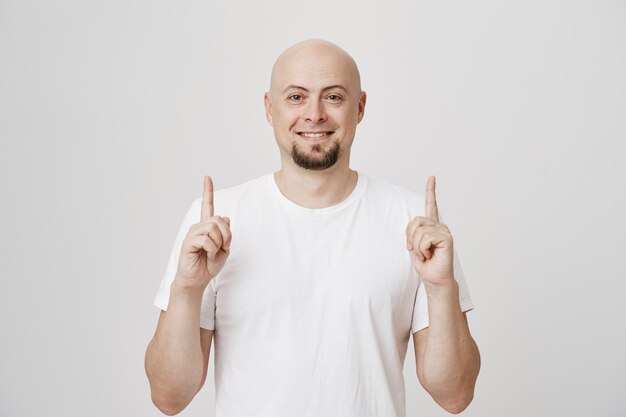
point(446, 357)
point(177, 357)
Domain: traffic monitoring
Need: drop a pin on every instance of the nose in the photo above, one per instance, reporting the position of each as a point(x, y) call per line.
point(314, 112)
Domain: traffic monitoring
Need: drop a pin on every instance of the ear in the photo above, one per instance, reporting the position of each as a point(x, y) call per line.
point(268, 108)
point(362, 101)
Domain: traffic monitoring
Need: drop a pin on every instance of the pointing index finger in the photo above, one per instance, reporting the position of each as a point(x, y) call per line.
point(431, 199)
point(207, 209)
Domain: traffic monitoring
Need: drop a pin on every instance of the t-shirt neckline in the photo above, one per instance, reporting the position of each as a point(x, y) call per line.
point(293, 207)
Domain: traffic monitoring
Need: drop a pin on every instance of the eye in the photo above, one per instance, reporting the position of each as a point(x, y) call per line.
point(295, 97)
point(334, 97)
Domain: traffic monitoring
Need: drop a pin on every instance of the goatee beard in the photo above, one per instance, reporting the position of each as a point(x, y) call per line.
point(321, 159)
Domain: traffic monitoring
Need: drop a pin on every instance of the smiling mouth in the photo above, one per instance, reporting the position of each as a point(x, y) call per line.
point(315, 135)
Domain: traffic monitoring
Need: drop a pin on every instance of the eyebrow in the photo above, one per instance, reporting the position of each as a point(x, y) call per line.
point(330, 87)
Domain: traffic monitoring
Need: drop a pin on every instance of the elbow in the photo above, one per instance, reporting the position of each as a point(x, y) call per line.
point(169, 412)
point(459, 405)
point(170, 400)
point(168, 408)
point(166, 401)
point(170, 403)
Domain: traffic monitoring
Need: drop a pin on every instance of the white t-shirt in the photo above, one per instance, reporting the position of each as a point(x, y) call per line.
point(313, 310)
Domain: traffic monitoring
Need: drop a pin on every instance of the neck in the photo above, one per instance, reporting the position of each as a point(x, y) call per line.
point(316, 189)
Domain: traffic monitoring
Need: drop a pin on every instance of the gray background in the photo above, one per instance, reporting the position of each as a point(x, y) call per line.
point(112, 112)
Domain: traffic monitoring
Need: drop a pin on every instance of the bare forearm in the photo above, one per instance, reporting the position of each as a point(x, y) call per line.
point(174, 358)
point(451, 358)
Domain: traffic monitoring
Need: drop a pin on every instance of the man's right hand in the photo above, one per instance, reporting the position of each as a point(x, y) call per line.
point(206, 246)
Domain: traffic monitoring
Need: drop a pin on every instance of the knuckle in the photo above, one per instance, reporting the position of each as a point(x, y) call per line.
point(223, 222)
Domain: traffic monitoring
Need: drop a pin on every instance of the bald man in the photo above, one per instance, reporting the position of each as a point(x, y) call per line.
point(312, 303)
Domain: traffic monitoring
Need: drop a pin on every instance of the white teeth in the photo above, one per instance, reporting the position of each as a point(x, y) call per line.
point(314, 135)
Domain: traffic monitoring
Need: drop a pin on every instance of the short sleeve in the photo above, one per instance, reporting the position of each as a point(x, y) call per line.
point(420, 309)
point(161, 300)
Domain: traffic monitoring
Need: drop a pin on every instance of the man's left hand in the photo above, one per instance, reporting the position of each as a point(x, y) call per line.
point(430, 243)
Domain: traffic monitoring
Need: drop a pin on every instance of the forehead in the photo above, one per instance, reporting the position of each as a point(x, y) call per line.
point(314, 70)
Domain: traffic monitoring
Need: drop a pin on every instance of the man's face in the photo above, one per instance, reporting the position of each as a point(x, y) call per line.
point(314, 105)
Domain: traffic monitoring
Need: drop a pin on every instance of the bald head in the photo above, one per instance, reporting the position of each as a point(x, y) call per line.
point(314, 104)
point(311, 58)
